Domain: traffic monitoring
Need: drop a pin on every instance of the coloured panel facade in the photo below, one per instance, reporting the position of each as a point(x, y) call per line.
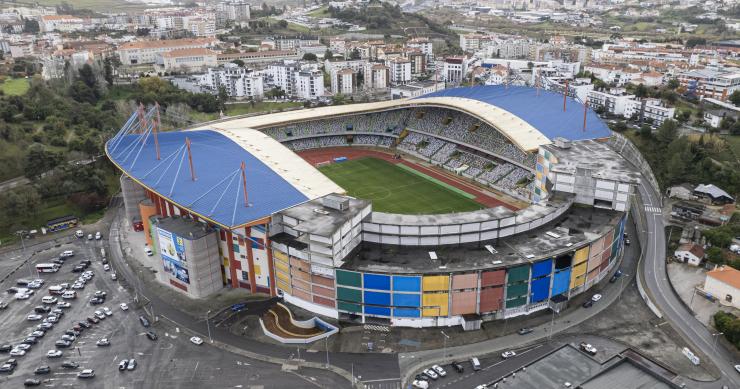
point(560, 282)
point(406, 300)
point(540, 289)
point(492, 278)
point(347, 294)
point(406, 312)
point(435, 283)
point(377, 298)
point(345, 306)
point(376, 281)
point(465, 281)
point(464, 302)
point(379, 311)
point(327, 302)
point(491, 299)
point(516, 302)
point(519, 273)
point(435, 304)
point(580, 256)
point(349, 278)
point(578, 275)
point(406, 284)
point(541, 268)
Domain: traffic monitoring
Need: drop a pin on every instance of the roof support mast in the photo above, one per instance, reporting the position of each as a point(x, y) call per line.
point(157, 127)
point(565, 94)
point(190, 158)
point(585, 112)
point(244, 183)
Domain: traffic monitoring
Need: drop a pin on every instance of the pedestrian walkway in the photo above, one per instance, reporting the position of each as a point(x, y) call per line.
point(652, 209)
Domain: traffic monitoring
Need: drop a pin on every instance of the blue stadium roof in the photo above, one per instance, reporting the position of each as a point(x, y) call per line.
point(543, 112)
point(217, 192)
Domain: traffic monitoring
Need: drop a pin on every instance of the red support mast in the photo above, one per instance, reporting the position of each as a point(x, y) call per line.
point(157, 126)
point(244, 183)
point(190, 158)
point(585, 112)
point(565, 95)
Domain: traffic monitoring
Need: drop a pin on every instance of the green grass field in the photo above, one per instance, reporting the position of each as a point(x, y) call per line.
point(15, 86)
point(398, 190)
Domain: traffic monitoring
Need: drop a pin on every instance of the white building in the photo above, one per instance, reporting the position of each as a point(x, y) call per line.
point(343, 81)
point(652, 110)
point(690, 253)
point(454, 69)
point(416, 89)
point(610, 102)
point(238, 81)
point(283, 76)
point(724, 284)
point(400, 70)
point(376, 76)
point(61, 23)
point(147, 52)
point(233, 11)
point(186, 60)
point(309, 84)
point(423, 44)
point(717, 84)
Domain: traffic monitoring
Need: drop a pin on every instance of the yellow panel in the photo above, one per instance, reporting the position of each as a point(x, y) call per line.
point(257, 270)
point(435, 283)
point(436, 304)
point(581, 255)
point(282, 266)
point(283, 276)
point(284, 286)
point(577, 275)
point(279, 255)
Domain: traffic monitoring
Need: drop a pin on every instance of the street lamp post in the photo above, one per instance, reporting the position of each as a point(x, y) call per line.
point(208, 326)
point(20, 233)
point(444, 347)
point(326, 339)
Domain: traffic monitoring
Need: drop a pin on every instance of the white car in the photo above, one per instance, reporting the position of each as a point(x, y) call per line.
point(34, 317)
point(89, 236)
point(51, 319)
point(508, 354)
point(113, 276)
point(67, 253)
point(54, 354)
point(148, 251)
point(49, 300)
point(98, 235)
point(39, 280)
point(16, 352)
point(196, 340)
point(106, 267)
point(23, 346)
point(124, 307)
point(107, 311)
point(737, 367)
point(63, 304)
point(22, 296)
point(100, 315)
point(431, 374)
point(439, 370)
point(70, 294)
point(421, 384)
point(79, 233)
point(78, 285)
point(596, 297)
point(103, 342)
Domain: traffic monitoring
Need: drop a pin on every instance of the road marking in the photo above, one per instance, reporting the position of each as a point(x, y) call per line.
point(195, 370)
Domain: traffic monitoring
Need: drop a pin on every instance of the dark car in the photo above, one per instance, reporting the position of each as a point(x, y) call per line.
point(42, 370)
point(421, 377)
point(86, 262)
point(72, 332)
point(7, 368)
point(93, 320)
point(58, 261)
point(458, 366)
point(524, 331)
point(616, 276)
point(5, 348)
point(12, 361)
point(96, 301)
point(100, 294)
point(143, 320)
point(31, 382)
point(30, 340)
point(588, 303)
point(70, 365)
point(78, 269)
point(122, 365)
point(42, 309)
point(151, 335)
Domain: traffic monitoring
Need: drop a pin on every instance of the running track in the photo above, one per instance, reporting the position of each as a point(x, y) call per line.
point(315, 156)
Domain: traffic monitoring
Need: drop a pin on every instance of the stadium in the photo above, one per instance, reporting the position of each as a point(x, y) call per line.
point(453, 208)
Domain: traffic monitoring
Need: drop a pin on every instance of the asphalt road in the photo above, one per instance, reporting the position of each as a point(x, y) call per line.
point(660, 291)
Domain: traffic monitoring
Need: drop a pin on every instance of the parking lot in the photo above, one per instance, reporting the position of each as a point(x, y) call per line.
point(171, 361)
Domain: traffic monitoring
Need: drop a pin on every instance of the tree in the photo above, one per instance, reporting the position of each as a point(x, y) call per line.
point(40, 160)
point(735, 98)
point(645, 131)
point(328, 54)
point(309, 57)
point(30, 26)
point(673, 83)
point(87, 75)
point(239, 62)
point(640, 91)
point(355, 54)
point(667, 132)
point(108, 70)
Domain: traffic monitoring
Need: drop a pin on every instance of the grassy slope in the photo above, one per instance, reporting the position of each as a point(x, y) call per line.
point(395, 190)
point(15, 86)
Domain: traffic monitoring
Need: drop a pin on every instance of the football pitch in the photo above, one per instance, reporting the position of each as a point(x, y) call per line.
point(398, 188)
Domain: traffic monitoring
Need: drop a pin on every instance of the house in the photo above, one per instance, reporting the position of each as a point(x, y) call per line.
point(714, 117)
point(681, 192)
point(690, 253)
point(187, 60)
point(724, 284)
point(714, 194)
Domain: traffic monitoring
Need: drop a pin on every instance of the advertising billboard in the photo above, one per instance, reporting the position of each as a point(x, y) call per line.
point(172, 250)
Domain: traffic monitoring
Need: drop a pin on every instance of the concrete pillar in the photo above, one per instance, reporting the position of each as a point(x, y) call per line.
point(133, 194)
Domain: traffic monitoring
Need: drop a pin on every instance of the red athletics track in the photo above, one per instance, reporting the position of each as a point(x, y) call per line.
point(315, 156)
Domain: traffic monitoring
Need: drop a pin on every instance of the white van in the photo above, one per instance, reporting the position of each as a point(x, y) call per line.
point(476, 363)
point(70, 294)
point(67, 253)
point(49, 300)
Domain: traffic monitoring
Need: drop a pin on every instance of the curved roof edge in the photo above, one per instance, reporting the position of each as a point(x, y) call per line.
point(514, 128)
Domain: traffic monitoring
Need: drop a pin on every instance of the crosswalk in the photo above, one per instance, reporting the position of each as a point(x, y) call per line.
point(377, 328)
point(649, 208)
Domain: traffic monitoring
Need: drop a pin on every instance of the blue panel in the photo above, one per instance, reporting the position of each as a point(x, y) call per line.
point(406, 312)
point(406, 284)
point(377, 298)
point(406, 300)
point(549, 117)
point(377, 281)
point(561, 282)
point(542, 268)
point(380, 311)
point(216, 161)
point(540, 290)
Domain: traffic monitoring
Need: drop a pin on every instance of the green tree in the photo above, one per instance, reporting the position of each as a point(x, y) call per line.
point(309, 57)
point(86, 74)
point(30, 26)
point(673, 83)
point(355, 54)
point(239, 62)
point(667, 132)
point(108, 71)
point(735, 98)
point(328, 54)
point(40, 160)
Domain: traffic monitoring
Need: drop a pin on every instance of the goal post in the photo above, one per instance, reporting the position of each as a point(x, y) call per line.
point(324, 163)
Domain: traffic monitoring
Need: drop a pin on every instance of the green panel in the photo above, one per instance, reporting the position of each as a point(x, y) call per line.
point(342, 306)
point(517, 302)
point(347, 294)
point(519, 273)
point(516, 290)
point(349, 278)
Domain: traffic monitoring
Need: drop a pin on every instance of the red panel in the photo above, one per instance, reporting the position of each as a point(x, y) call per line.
point(297, 263)
point(232, 262)
point(296, 283)
point(301, 294)
point(295, 273)
point(178, 285)
point(244, 285)
point(592, 274)
point(463, 302)
point(322, 281)
point(322, 291)
point(465, 281)
point(222, 235)
point(604, 264)
point(250, 260)
point(491, 278)
point(491, 299)
point(172, 209)
point(155, 199)
point(323, 301)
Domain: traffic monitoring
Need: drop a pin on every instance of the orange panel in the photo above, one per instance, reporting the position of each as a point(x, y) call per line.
point(147, 210)
point(465, 281)
point(301, 294)
point(490, 278)
point(322, 280)
point(322, 291)
point(301, 284)
point(463, 302)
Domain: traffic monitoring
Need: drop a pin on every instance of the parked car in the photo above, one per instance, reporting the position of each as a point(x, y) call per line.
point(196, 340)
point(588, 303)
point(63, 304)
point(7, 368)
point(524, 331)
point(62, 343)
point(87, 373)
point(439, 370)
point(5, 348)
point(98, 235)
point(596, 297)
point(587, 348)
point(420, 384)
point(476, 363)
point(458, 366)
point(103, 342)
point(431, 374)
point(31, 382)
point(16, 352)
point(151, 335)
point(122, 365)
point(616, 276)
point(42, 370)
point(34, 317)
point(124, 307)
point(131, 364)
point(107, 311)
point(70, 365)
point(508, 354)
point(42, 309)
point(143, 320)
point(54, 354)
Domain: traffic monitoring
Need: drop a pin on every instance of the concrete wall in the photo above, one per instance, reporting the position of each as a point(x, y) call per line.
point(132, 194)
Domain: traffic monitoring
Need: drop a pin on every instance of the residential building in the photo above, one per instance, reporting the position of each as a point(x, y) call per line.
point(400, 70)
point(713, 194)
point(454, 69)
point(283, 76)
point(690, 253)
point(473, 42)
point(422, 44)
point(651, 110)
point(238, 81)
point(186, 60)
point(714, 117)
point(255, 57)
point(724, 284)
point(295, 43)
point(233, 11)
point(416, 89)
point(201, 26)
point(343, 81)
point(357, 65)
point(147, 52)
point(61, 23)
point(376, 76)
point(309, 84)
point(613, 102)
point(418, 62)
point(717, 84)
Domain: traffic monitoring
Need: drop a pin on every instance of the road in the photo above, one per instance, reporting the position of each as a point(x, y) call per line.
point(660, 291)
point(377, 370)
